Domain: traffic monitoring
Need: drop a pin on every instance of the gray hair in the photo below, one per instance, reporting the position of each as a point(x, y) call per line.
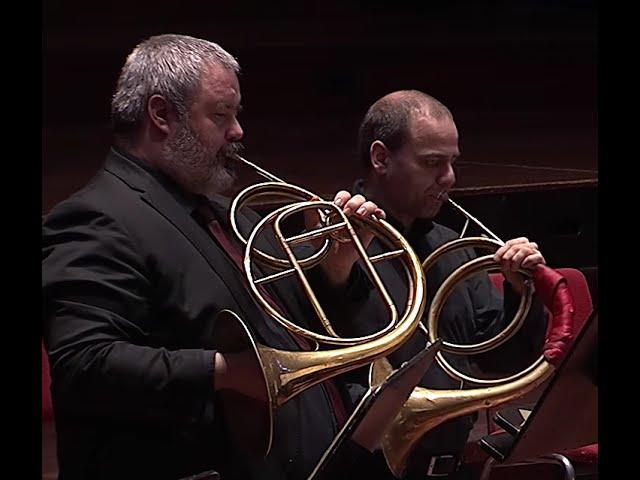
point(168, 65)
point(388, 118)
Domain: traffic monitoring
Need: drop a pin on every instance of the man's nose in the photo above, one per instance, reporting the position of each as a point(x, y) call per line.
point(447, 177)
point(234, 133)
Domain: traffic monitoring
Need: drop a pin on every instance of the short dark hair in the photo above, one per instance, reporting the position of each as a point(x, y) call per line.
point(388, 118)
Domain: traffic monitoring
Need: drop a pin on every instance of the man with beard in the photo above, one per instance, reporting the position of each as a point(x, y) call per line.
point(135, 268)
point(408, 144)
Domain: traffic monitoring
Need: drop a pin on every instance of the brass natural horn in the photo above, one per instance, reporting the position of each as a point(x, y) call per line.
point(427, 408)
point(288, 373)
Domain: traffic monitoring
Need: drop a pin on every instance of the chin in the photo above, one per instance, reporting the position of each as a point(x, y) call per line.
point(430, 213)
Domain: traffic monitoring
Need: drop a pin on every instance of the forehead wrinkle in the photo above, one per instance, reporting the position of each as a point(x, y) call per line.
point(219, 83)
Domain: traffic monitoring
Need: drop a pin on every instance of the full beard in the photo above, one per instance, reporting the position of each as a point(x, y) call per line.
point(198, 167)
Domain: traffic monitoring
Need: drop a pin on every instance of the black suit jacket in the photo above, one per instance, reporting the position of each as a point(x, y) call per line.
point(132, 285)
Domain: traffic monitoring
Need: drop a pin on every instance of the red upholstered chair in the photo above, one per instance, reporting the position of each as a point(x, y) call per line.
point(578, 287)
point(586, 456)
point(49, 459)
point(579, 290)
point(47, 407)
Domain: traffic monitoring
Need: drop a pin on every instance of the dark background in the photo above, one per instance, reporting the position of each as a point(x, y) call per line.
point(519, 77)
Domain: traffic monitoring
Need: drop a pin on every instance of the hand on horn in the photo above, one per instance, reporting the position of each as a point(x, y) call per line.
point(240, 372)
point(339, 262)
point(515, 254)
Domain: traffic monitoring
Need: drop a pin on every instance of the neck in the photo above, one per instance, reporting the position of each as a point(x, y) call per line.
point(142, 145)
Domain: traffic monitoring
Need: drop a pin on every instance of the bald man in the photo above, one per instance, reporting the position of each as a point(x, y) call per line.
point(408, 143)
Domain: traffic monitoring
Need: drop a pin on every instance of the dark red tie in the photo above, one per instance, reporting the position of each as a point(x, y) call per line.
point(207, 214)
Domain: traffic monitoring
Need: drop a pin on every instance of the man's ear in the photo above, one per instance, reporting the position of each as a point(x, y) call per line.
point(160, 113)
point(379, 157)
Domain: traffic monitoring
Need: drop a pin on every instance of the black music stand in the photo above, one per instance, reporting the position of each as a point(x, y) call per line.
point(378, 407)
point(566, 416)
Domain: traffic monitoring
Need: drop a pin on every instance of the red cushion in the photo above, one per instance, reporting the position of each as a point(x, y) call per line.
point(578, 288)
point(588, 454)
point(47, 407)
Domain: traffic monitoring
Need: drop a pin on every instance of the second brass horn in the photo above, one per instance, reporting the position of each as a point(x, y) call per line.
point(288, 373)
point(427, 408)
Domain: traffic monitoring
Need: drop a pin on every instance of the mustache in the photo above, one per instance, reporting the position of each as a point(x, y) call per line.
point(229, 151)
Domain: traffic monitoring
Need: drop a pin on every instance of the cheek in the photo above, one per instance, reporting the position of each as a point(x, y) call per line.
point(210, 133)
point(421, 180)
point(413, 190)
point(213, 142)
point(403, 173)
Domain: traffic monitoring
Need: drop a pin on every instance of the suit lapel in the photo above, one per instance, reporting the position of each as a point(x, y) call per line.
point(286, 291)
point(168, 205)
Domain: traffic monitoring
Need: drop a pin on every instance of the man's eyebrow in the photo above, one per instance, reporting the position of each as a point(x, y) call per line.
point(438, 157)
point(229, 106)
